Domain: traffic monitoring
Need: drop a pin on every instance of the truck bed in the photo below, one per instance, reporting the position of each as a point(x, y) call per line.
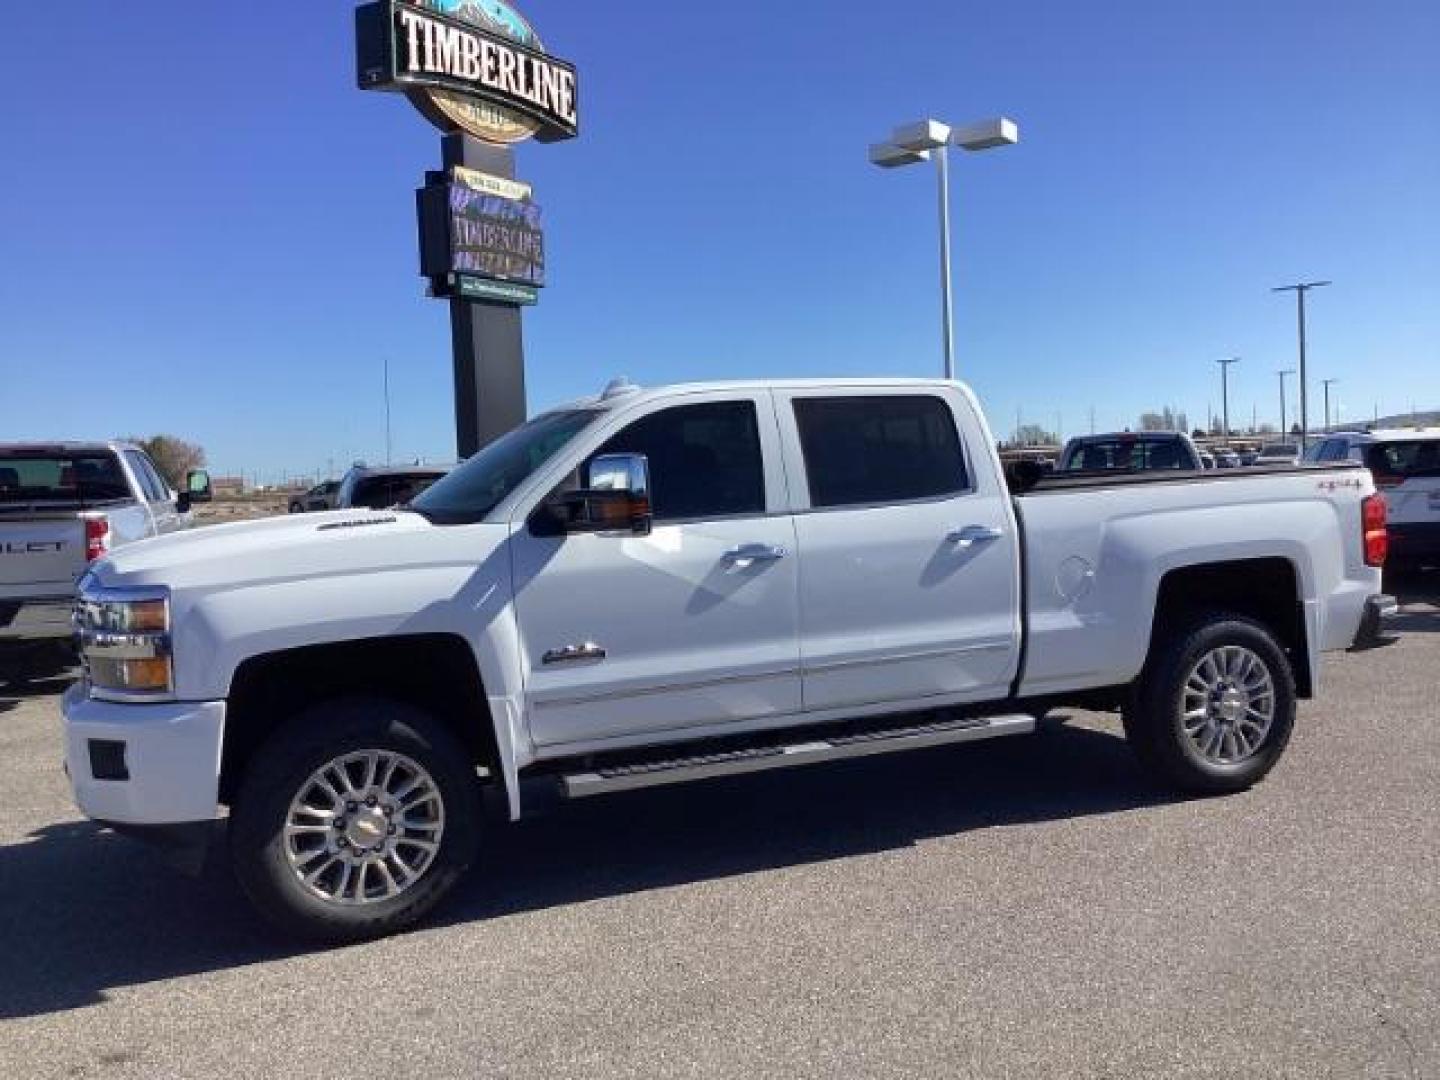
point(1098, 546)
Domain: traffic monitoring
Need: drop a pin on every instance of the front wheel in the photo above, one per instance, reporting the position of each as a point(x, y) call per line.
point(354, 821)
point(1215, 706)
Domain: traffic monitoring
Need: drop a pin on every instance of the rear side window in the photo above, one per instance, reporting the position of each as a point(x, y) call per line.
point(1410, 458)
point(705, 460)
point(863, 450)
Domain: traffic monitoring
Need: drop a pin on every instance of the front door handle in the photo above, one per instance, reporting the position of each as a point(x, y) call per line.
point(971, 535)
point(750, 554)
point(571, 653)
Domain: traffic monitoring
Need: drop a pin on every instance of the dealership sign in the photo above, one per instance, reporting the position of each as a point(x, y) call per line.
point(480, 237)
point(471, 65)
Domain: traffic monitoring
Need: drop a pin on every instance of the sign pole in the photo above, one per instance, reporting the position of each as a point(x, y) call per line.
point(487, 339)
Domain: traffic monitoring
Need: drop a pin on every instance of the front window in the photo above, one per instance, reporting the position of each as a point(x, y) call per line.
point(705, 460)
point(488, 478)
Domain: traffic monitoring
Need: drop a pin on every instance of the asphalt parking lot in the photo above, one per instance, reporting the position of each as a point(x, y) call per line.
point(1024, 908)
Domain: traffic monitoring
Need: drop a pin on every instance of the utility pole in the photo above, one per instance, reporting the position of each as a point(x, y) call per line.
point(387, 410)
point(1328, 383)
point(1225, 363)
point(1284, 428)
point(1092, 419)
point(1300, 290)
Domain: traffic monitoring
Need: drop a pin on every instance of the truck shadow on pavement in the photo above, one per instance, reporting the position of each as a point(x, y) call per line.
point(83, 911)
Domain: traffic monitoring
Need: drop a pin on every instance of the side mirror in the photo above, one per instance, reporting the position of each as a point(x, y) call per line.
point(197, 487)
point(615, 498)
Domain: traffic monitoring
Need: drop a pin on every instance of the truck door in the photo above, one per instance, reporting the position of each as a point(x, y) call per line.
point(909, 584)
point(695, 624)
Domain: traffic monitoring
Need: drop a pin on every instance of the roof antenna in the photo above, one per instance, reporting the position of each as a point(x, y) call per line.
point(619, 388)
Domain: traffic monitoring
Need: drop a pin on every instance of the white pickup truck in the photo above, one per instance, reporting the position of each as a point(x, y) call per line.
point(62, 506)
point(665, 585)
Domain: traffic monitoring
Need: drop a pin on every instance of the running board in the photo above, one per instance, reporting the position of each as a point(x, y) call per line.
point(759, 758)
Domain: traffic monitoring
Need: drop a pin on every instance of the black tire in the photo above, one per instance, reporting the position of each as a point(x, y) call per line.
point(281, 767)
point(1154, 715)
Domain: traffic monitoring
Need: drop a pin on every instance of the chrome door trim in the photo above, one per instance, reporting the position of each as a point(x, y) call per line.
point(667, 688)
point(900, 658)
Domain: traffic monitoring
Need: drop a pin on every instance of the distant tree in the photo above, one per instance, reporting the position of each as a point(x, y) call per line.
point(1295, 429)
point(1035, 435)
point(1168, 419)
point(1197, 434)
point(174, 457)
point(1266, 429)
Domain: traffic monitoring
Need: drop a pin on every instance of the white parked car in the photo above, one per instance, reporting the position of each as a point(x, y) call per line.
point(649, 587)
point(1406, 466)
point(62, 506)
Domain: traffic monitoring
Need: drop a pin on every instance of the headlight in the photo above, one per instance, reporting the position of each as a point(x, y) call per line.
point(124, 640)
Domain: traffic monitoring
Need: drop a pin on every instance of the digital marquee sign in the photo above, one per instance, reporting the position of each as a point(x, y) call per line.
point(477, 226)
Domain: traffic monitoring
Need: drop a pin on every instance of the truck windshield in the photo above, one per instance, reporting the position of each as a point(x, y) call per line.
point(62, 478)
point(483, 482)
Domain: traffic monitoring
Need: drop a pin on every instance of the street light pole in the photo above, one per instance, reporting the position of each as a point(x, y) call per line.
point(1300, 290)
point(947, 299)
point(1328, 383)
point(914, 143)
point(1225, 363)
point(1284, 430)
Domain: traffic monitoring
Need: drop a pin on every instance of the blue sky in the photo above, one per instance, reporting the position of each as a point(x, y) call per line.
point(208, 231)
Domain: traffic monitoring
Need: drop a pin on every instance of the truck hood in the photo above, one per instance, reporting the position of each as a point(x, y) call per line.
point(338, 543)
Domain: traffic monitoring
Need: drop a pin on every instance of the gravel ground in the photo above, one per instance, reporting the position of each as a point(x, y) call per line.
point(1025, 908)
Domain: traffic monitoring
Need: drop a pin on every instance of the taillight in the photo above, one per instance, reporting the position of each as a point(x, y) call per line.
point(97, 537)
point(1377, 540)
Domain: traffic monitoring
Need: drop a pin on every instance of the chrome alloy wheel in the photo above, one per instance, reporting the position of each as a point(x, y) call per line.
point(364, 827)
point(1228, 705)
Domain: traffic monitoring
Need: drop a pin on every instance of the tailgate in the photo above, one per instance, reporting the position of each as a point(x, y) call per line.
point(40, 555)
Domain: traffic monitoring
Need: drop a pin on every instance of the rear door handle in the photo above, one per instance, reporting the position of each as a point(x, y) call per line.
point(750, 554)
point(971, 535)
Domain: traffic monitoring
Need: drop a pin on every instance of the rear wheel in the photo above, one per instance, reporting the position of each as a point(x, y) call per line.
point(354, 821)
point(1215, 707)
